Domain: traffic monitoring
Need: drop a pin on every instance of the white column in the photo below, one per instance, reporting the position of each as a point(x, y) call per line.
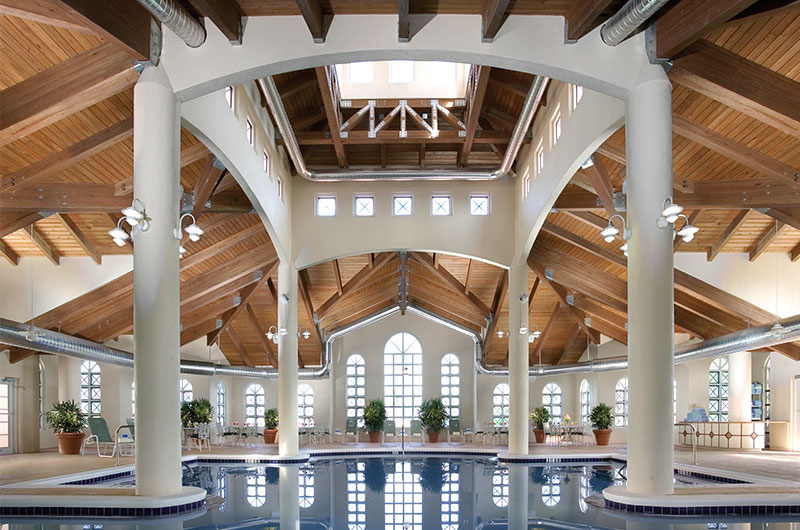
point(650, 288)
point(156, 287)
point(518, 361)
point(288, 482)
point(288, 444)
point(739, 389)
point(517, 496)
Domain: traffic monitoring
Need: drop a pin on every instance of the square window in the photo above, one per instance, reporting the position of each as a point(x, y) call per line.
point(479, 205)
point(266, 163)
point(326, 206)
point(402, 205)
point(365, 206)
point(440, 205)
point(248, 128)
point(229, 95)
point(401, 71)
point(556, 127)
point(442, 72)
point(363, 72)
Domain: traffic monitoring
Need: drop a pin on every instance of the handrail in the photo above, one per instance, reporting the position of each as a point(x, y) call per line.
point(116, 440)
point(694, 439)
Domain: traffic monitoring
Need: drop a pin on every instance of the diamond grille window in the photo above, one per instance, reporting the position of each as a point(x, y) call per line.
point(479, 205)
point(440, 205)
point(187, 393)
point(356, 381)
point(402, 205)
point(718, 390)
point(326, 206)
point(254, 403)
point(500, 397)
point(551, 490)
point(500, 487)
point(365, 206)
point(450, 381)
point(621, 403)
point(552, 400)
point(90, 388)
point(305, 404)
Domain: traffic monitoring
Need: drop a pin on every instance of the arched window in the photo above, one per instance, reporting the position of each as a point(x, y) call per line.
point(305, 490)
point(621, 403)
point(451, 389)
point(356, 388)
point(450, 497)
point(585, 491)
point(187, 394)
point(256, 492)
point(718, 389)
point(500, 404)
point(356, 497)
point(500, 487)
point(551, 489)
point(402, 378)
point(90, 388)
point(767, 369)
point(222, 489)
point(254, 404)
point(403, 499)
point(305, 404)
point(133, 399)
point(551, 399)
point(586, 401)
point(221, 403)
point(41, 395)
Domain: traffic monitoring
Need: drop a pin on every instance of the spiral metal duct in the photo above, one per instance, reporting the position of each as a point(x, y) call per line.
point(627, 19)
point(178, 20)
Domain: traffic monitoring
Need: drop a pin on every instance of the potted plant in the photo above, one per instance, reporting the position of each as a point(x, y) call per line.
point(374, 418)
point(539, 416)
point(601, 419)
point(270, 426)
point(67, 421)
point(202, 411)
point(187, 414)
point(433, 417)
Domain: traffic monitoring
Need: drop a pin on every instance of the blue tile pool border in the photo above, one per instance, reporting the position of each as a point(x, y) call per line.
point(694, 511)
point(99, 511)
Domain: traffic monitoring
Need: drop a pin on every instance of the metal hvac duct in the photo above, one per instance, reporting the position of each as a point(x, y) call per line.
point(627, 19)
point(177, 19)
point(529, 107)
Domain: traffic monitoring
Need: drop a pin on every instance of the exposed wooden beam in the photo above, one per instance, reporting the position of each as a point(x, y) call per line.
point(204, 186)
point(298, 85)
point(497, 303)
point(493, 15)
point(403, 25)
point(355, 282)
point(36, 237)
point(727, 234)
point(451, 281)
point(307, 120)
point(79, 237)
point(741, 84)
point(64, 89)
point(312, 14)
point(388, 136)
point(584, 244)
point(534, 289)
point(582, 17)
point(330, 99)
point(265, 343)
point(762, 10)
point(8, 253)
point(469, 273)
point(538, 346)
point(688, 20)
point(305, 296)
point(17, 354)
point(237, 343)
point(767, 237)
point(65, 197)
point(338, 275)
point(617, 154)
point(795, 253)
point(692, 221)
point(67, 157)
point(225, 14)
point(475, 104)
point(49, 12)
point(11, 221)
point(789, 217)
point(245, 295)
point(601, 181)
point(572, 337)
point(193, 258)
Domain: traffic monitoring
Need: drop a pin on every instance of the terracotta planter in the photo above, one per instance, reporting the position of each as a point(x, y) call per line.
point(374, 437)
point(539, 435)
point(69, 443)
point(269, 435)
point(433, 437)
point(602, 436)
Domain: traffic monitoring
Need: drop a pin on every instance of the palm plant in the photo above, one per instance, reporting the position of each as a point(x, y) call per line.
point(433, 415)
point(540, 416)
point(601, 416)
point(374, 416)
point(66, 417)
point(271, 419)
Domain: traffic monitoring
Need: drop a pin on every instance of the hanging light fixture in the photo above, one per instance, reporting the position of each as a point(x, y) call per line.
point(610, 232)
point(118, 234)
point(272, 335)
point(500, 333)
point(192, 230)
point(688, 231)
point(669, 213)
point(136, 215)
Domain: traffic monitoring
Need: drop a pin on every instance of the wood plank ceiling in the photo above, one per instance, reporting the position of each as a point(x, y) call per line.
point(736, 137)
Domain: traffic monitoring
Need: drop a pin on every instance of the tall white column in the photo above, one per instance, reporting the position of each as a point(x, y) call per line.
point(650, 288)
point(517, 496)
point(156, 287)
point(739, 389)
point(288, 483)
point(289, 443)
point(518, 361)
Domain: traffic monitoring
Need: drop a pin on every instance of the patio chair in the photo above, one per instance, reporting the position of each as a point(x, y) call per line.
point(351, 430)
point(201, 436)
point(415, 429)
point(390, 429)
point(101, 438)
point(322, 435)
point(131, 427)
point(552, 433)
point(454, 430)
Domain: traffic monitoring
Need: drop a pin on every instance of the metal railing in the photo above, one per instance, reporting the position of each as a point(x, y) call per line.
point(694, 439)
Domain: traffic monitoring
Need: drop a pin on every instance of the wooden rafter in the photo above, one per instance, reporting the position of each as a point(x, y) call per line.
point(617, 154)
point(763, 10)
point(582, 17)
point(44, 12)
point(727, 234)
point(79, 197)
point(789, 217)
point(493, 15)
point(37, 238)
point(355, 282)
point(305, 296)
point(538, 345)
point(204, 186)
point(475, 104)
point(451, 281)
point(245, 296)
point(584, 244)
point(79, 237)
point(11, 221)
point(195, 257)
point(571, 338)
point(262, 337)
point(16, 354)
point(692, 221)
point(601, 182)
point(403, 24)
point(497, 303)
point(766, 239)
point(189, 155)
point(330, 99)
point(225, 14)
point(337, 275)
point(237, 343)
point(312, 14)
point(9, 253)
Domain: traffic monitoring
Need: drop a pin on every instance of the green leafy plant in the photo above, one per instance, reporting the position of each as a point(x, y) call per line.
point(433, 415)
point(202, 411)
point(66, 417)
point(187, 414)
point(271, 419)
point(601, 416)
point(272, 474)
point(432, 475)
point(540, 416)
point(374, 416)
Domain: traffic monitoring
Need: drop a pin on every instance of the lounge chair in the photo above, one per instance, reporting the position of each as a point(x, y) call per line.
point(351, 430)
point(454, 430)
point(390, 429)
point(415, 429)
point(102, 439)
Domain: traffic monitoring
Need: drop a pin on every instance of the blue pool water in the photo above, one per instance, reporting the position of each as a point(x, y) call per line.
point(410, 493)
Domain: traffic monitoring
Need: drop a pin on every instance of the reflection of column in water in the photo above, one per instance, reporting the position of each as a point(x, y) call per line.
point(518, 496)
point(289, 507)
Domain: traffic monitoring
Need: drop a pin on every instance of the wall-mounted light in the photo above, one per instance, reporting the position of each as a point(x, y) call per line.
point(610, 232)
point(669, 213)
point(688, 231)
point(533, 335)
point(192, 230)
point(272, 335)
point(118, 234)
point(136, 215)
point(305, 333)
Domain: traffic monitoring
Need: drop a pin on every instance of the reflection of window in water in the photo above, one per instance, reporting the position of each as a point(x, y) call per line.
point(450, 498)
point(356, 497)
point(222, 482)
point(586, 490)
point(256, 494)
point(717, 525)
point(500, 488)
point(551, 490)
point(403, 499)
point(305, 493)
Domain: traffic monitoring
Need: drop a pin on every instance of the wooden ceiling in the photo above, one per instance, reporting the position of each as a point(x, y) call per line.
point(66, 86)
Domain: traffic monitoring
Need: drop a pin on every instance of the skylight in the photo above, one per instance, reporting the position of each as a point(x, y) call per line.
point(402, 79)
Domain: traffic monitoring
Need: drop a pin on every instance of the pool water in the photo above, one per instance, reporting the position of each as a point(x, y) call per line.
point(412, 493)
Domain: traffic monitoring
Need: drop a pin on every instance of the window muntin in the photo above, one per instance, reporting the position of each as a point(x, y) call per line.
point(500, 487)
point(586, 399)
point(256, 489)
point(479, 205)
point(305, 405)
point(90, 388)
point(552, 400)
point(450, 384)
point(356, 497)
point(551, 489)
point(402, 205)
point(401, 71)
point(326, 205)
point(221, 403)
point(305, 486)
point(403, 499)
point(248, 129)
point(186, 390)
point(718, 389)
point(254, 404)
point(356, 388)
point(440, 205)
point(402, 378)
point(365, 206)
point(450, 497)
point(500, 400)
point(229, 95)
point(361, 72)
point(621, 403)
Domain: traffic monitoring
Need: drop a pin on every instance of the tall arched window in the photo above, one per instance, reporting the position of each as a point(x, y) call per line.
point(356, 497)
point(356, 388)
point(90, 388)
point(718, 389)
point(403, 499)
point(500, 404)
point(586, 401)
point(187, 393)
point(402, 378)
point(256, 492)
point(450, 497)
point(621, 403)
point(305, 404)
point(551, 399)
point(254, 404)
point(451, 389)
point(500, 487)
point(221, 403)
point(305, 489)
point(767, 369)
